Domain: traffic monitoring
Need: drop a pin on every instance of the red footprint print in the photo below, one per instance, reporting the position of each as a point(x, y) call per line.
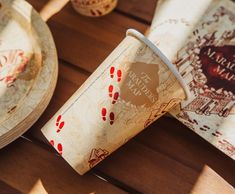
point(115, 97)
point(111, 91)
point(60, 148)
point(112, 69)
point(60, 127)
point(52, 142)
point(111, 116)
point(103, 113)
point(119, 75)
point(58, 120)
point(59, 124)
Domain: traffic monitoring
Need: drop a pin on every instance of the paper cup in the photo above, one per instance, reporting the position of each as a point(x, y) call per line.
point(133, 87)
point(94, 8)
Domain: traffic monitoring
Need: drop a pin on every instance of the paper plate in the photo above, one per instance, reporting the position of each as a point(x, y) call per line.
point(28, 68)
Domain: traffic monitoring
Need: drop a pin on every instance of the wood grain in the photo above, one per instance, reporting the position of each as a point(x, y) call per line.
point(7, 189)
point(148, 170)
point(210, 182)
point(140, 10)
point(172, 138)
point(139, 160)
point(86, 42)
point(166, 157)
point(28, 168)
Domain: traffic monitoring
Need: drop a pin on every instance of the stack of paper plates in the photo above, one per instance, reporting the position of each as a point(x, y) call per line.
point(28, 68)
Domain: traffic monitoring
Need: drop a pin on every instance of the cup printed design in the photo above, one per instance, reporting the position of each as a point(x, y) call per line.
point(163, 109)
point(94, 8)
point(132, 86)
point(111, 116)
point(140, 83)
point(59, 124)
point(59, 147)
point(96, 156)
point(113, 94)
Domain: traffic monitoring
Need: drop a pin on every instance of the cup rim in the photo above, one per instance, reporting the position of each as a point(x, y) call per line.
point(156, 50)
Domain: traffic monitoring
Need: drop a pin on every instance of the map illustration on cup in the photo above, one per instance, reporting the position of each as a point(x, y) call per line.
point(132, 88)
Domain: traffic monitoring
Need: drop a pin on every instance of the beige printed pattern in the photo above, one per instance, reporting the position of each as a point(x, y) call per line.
point(118, 101)
point(12, 64)
point(139, 85)
point(94, 8)
point(203, 40)
point(97, 121)
point(28, 68)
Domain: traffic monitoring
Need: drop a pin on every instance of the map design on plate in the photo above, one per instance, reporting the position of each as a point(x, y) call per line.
point(12, 64)
point(28, 68)
point(19, 65)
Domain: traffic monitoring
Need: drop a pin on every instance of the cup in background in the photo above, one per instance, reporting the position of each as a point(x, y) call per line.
point(94, 8)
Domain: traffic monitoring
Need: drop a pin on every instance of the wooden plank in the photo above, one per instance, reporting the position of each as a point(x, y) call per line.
point(172, 138)
point(167, 148)
point(210, 182)
point(70, 79)
point(86, 42)
point(7, 189)
point(164, 170)
point(148, 171)
point(140, 10)
point(30, 169)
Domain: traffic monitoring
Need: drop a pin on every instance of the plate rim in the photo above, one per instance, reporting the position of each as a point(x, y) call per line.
point(49, 65)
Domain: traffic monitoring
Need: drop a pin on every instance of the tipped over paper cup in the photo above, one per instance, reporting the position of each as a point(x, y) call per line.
point(133, 87)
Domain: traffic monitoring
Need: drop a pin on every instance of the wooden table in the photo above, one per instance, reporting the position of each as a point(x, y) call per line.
point(165, 158)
